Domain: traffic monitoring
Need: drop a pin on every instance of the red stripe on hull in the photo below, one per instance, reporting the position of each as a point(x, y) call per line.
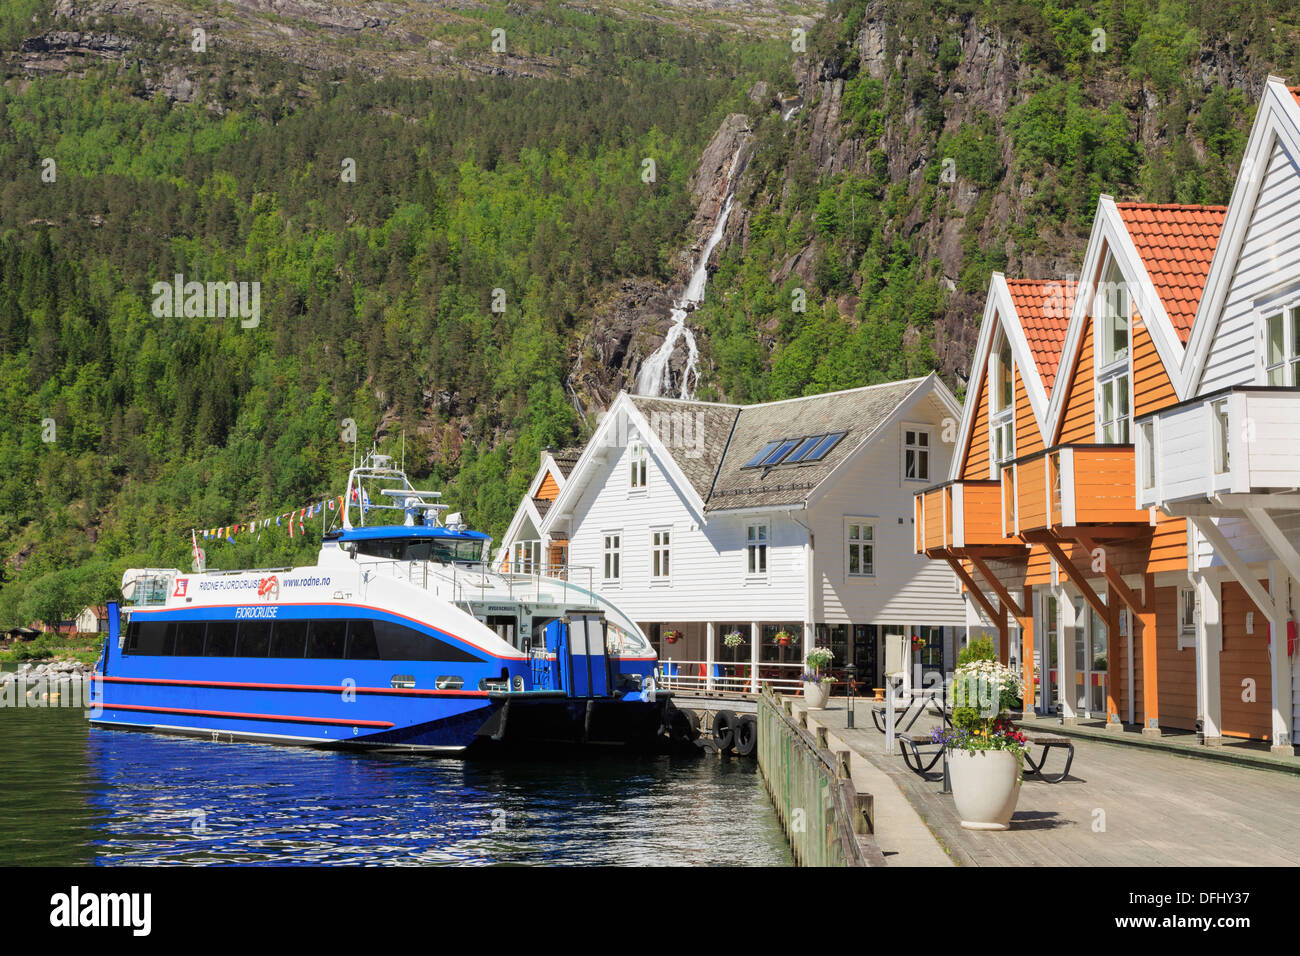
point(324, 688)
point(284, 718)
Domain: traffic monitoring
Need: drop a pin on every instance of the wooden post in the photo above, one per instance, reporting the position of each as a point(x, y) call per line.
point(1112, 654)
point(1279, 585)
point(1065, 638)
point(1027, 651)
point(1209, 643)
point(755, 632)
point(708, 656)
point(1004, 633)
point(1150, 659)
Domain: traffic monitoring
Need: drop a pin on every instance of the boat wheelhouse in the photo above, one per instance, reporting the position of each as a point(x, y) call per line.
point(401, 635)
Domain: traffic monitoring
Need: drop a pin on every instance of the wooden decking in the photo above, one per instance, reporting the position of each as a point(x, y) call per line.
point(1120, 806)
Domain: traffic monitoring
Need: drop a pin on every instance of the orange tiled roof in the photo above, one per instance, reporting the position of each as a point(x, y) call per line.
point(1176, 244)
point(1043, 306)
point(1295, 91)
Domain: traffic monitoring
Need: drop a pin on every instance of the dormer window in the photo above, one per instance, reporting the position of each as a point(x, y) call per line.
point(1114, 319)
point(1002, 404)
point(1282, 347)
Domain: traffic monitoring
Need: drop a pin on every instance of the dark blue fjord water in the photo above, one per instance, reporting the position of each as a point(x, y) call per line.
point(75, 795)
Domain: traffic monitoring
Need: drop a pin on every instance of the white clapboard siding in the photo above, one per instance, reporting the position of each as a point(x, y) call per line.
point(1269, 260)
point(708, 564)
point(1184, 462)
point(1246, 540)
point(907, 588)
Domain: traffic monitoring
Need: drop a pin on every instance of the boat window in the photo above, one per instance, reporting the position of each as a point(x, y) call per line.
point(442, 550)
point(448, 682)
point(361, 641)
point(221, 639)
point(189, 638)
point(288, 639)
point(151, 638)
point(400, 643)
point(254, 639)
point(326, 638)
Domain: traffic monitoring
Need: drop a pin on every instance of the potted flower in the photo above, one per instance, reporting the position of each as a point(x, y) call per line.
point(985, 751)
point(733, 639)
point(672, 637)
point(816, 683)
point(784, 638)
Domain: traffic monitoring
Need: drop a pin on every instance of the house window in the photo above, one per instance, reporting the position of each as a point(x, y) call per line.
point(860, 540)
point(613, 556)
point(1222, 452)
point(637, 469)
point(1147, 455)
point(660, 548)
point(1002, 406)
point(756, 548)
point(1114, 422)
point(1186, 618)
point(1282, 347)
point(916, 454)
point(527, 557)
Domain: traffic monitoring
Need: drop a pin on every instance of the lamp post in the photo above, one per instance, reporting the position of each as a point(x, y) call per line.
point(851, 672)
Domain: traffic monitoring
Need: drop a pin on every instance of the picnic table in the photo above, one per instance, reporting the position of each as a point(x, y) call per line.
point(921, 762)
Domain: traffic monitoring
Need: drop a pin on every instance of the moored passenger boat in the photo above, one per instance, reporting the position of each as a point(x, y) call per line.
point(400, 636)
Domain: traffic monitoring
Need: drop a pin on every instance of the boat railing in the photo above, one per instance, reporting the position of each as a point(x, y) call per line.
point(743, 677)
point(465, 582)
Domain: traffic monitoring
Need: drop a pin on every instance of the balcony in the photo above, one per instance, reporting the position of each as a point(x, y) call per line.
point(961, 517)
point(1235, 442)
point(1072, 486)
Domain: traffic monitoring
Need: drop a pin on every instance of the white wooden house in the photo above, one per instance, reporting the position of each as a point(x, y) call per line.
point(1228, 455)
point(721, 528)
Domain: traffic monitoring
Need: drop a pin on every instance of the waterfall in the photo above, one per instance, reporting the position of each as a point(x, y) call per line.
point(656, 375)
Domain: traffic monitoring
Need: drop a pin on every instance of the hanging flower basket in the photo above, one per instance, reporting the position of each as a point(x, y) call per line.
point(918, 642)
point(672, 637)
point(784, 638)
point(733, 639)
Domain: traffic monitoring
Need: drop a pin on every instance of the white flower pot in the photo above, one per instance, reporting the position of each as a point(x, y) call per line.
point(985, 787)
point(816, 694)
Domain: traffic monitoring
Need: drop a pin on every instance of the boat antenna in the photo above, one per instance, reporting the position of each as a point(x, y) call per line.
point(403, 451)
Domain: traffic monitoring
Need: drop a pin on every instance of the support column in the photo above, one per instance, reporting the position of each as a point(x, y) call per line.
point(1004, 633)
point(1027, 651)
point(709, 657)
point(1150, 658)
point(1113, 722)
point(1065, 637)
point(755, 632)
point(1279, 585)
point(807, 644)
point(1209, 644)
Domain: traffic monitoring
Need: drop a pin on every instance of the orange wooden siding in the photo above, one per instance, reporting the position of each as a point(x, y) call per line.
point(1031, 493)
point(549, 490)
point(981, 519)
point(1038, 570)
point(1176, 669)
point(1103, 486)
point(1152, 389)
point(1078, 422)
point(976, 464)
point(1245, 656)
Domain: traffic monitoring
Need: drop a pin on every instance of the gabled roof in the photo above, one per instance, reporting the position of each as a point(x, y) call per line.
point(566, 458)
point(1043, 306)
point(1176, 244)
point(705, 445)
point(1276, 120)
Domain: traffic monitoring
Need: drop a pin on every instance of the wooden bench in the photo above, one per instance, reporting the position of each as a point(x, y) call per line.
point(1047, 742)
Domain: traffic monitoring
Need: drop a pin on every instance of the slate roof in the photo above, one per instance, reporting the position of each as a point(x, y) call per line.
point(696, 434)
point(733, 434)
point(566, 458)
point(1176, 244)
point(1043, 307)
point(542, 505)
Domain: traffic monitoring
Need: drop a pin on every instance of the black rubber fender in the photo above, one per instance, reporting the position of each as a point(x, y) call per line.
point(724, 730)
point(746, 729)
point(692, 727)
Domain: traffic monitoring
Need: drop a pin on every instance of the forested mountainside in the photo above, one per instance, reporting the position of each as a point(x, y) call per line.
point(473, 247)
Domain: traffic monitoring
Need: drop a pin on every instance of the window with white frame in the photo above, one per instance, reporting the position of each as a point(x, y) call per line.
point(1282, 347)
point(1002, 441)
point(637, 467)
point(1114, 405)
point(527, 557)
point(756, 536)
point(860, 540)
point(1186, 618)
point(1221, 449)
point(1147, 455)
point(613, 553)
point(660, 553)
point(916, 454)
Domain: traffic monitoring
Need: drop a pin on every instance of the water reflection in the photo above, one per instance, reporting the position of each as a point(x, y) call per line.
point(74, 795)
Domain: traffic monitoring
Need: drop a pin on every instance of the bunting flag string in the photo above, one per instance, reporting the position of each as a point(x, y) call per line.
point(293, 515)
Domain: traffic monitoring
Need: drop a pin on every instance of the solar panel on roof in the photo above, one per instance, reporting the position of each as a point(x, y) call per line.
point(824, 446)
point(805, 447)
point(762, 453)
point(780, 452)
